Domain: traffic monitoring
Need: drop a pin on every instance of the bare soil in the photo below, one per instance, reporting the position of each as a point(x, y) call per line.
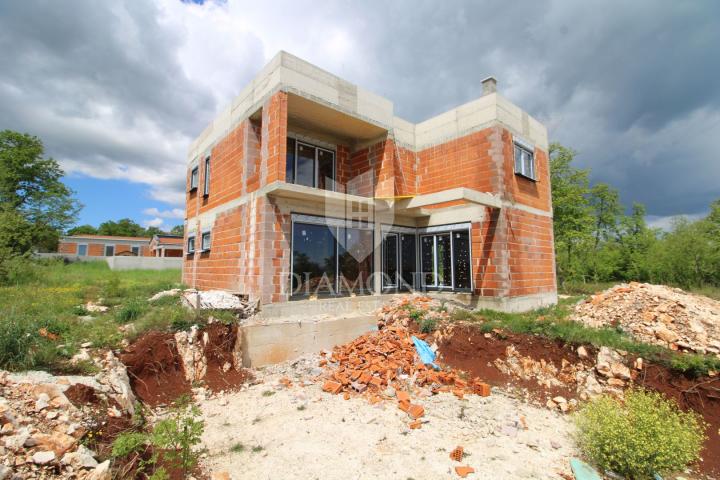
point(219, 352)
point(155, 369)
point(470, 350)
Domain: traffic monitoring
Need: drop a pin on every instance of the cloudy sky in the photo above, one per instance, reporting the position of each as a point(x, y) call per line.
point(117, 90)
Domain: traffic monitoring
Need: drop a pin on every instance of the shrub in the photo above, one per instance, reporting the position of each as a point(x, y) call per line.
point(131, 310)
point(173, 438)
point(644, 435)
point(428, 324)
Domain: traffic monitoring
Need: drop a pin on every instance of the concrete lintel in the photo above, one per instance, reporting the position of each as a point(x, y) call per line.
point(301, 192)
point(450, 195)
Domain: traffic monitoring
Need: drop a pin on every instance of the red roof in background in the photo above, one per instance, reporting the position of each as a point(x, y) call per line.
point(170, 240)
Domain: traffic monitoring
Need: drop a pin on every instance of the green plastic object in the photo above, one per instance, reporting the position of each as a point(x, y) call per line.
point(582, 470)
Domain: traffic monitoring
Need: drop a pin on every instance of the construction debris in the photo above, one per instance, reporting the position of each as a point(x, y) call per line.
point(42, 427)
point(217, 300)
point(385, 364)
point(656, 314)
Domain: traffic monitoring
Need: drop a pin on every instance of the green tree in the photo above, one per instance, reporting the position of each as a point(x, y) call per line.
point(83, 230)
point(178, 230)
point(607, 210)
point(124, 227)
point(151, 231)
point(636, 240)
point(32, 193)
point(572, 213)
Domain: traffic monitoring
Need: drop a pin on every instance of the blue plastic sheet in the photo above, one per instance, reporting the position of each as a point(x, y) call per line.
point(424, 352)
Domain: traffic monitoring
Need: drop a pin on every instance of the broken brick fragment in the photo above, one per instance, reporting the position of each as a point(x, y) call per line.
point(458, 392)
point(332, 387)
point(415, 424)
point(482, 389)
point(416, 411)
point(403, 396)
point(404, 406)
point(464, 471)
point(457, 453)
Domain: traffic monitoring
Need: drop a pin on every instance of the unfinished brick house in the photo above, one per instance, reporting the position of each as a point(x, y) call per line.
point(308, 187)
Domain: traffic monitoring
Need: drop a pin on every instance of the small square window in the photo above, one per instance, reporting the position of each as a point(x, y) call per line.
point(109, 250)
point(205, 242)
point(194, 175)
point(524, 162)
point(135, 251)
point(191, 245)
point(82, 250)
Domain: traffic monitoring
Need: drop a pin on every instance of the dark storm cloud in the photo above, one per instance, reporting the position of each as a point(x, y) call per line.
point(631, 85)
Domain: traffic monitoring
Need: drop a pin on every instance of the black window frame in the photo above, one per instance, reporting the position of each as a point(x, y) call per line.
point(132, 250)
point(206, 180)
point(518, 147)
point(316, 163)
point(105, 250)
point(207, 234)
point(194, 178)
point(191, 244)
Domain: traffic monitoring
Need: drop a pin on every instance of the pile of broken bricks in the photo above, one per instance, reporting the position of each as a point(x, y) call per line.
point(384, 365)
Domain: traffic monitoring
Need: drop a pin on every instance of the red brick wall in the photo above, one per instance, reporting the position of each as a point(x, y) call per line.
point(511, 248)
point(250, 251)
point(69, 248)
point(96, 250)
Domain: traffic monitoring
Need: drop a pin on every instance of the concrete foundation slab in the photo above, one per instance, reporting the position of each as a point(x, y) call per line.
point(274, 341)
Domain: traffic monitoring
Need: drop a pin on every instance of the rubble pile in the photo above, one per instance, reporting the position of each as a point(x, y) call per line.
point(41, 432)
point(545, 373)
point(656, 314)
point(413, 308)
point(384, 365)
point(213, 300)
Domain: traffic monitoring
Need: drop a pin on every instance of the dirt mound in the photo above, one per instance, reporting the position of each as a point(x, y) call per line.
point(543, 371)
point(223, 371)
point(80, 394)
point(155, 369)
point(161, 370)
point(656, 314)
point(488, 355)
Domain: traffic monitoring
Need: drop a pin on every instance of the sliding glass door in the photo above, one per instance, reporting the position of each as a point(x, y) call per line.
point(331, 257)
point(445, 260)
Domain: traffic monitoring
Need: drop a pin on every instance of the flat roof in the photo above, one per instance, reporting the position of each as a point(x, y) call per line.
point(365, 112)
point(104, 237)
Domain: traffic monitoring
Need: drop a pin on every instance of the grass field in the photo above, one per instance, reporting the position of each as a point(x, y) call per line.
point(39, 318)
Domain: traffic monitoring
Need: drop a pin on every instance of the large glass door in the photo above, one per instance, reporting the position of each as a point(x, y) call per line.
point(390, 260)
point(445, 260)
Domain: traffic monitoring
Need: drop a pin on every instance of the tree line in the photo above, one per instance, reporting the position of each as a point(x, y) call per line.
point(124, 227)
point(598, 240)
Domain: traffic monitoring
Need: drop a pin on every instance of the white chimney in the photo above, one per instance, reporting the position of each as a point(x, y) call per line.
point(489, 85)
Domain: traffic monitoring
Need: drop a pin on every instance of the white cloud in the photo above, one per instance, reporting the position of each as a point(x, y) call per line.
point(153, 222)
point(120, 91)
point(174, 213)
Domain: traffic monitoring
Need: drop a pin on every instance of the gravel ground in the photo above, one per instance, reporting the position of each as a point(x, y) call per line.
point(268, 430)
